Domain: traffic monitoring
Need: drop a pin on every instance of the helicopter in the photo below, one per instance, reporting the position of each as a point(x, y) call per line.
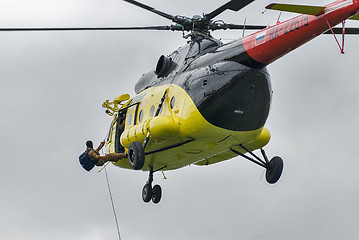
point(208, 101)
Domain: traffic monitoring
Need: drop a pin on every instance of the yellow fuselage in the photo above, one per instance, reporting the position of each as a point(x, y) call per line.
point(181, 125)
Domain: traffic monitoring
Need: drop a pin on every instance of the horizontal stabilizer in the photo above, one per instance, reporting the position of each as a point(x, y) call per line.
point(355, 17)
point(302, 9)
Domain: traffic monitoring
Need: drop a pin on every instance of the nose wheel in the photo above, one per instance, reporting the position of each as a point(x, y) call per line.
point(156, 194)
point(147, 193)
point(151, 193)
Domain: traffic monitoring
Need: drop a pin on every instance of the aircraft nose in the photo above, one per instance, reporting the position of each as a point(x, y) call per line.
point(241, 103)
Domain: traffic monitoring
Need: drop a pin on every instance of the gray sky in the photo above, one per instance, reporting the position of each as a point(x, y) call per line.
point(52, 88)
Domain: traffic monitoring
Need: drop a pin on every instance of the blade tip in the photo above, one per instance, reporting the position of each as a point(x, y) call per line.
point(270, 6)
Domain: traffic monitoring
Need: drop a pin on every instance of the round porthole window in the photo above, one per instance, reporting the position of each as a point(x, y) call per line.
point(172, 103)
point(140, 116)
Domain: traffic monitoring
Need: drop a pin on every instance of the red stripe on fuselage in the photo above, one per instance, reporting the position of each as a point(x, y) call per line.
point(287, 36)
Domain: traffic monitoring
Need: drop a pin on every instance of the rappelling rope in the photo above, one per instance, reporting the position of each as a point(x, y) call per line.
point(113, 206)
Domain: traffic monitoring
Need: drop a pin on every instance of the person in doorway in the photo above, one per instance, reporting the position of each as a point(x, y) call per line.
point(98, 160)
point(119, 130)
point(121, 121)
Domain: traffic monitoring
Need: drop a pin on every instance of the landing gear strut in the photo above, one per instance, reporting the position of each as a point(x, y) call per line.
point(274, 167)
point(149, 193)
point(136, 157)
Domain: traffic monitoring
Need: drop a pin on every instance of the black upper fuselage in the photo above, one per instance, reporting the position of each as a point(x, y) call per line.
point(230, 90)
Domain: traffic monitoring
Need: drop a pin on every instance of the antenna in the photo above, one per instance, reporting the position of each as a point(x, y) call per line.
point(244, 26)
point(278, 20)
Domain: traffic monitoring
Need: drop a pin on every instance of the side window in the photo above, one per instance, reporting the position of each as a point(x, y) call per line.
point(152, 111)
point(132, 115)
point(129, 118)
point(135, 114)
point(140, 116)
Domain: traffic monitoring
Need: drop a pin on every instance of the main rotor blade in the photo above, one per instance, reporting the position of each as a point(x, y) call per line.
point(173, 27)
point(350, 31)
point(248, 27)
point(234, 5)
point(163, 14)
point(235, 27)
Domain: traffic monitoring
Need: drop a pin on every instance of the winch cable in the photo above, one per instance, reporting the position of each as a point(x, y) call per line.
point(113, 206)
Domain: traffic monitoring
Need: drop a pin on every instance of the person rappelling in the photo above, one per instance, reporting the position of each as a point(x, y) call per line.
point(91, 157)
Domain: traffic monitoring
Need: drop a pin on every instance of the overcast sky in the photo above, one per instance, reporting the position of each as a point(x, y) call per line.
point(52, 88)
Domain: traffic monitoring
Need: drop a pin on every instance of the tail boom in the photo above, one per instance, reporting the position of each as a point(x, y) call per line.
point(270, 44)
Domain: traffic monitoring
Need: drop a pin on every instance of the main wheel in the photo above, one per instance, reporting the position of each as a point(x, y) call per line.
point(147, 193)
point(156, 194)
point(274, 170)
point(136, 155)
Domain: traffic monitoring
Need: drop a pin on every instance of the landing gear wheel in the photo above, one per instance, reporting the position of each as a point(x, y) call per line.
point(274, 170)
point(136, 155)
point(156, 194)
point(147, 193)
